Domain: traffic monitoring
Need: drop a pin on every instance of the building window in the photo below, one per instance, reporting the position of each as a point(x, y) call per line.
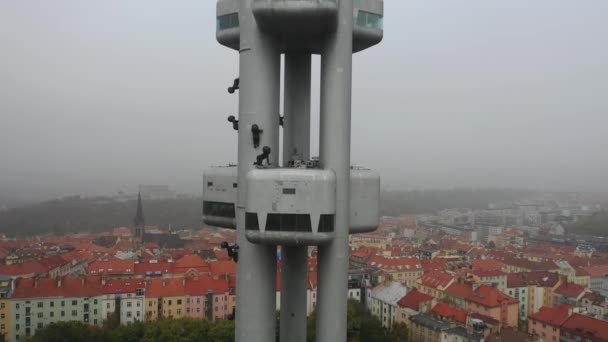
point(63, 303)
point(40, 304)
point(62, 313)
point(128, 313)
point(74, 302)
point(129, 304)
point(52, 304)
point(94, 301)
point(179, 302)
point(225, 22)
point(52, 314)
point(39, 325)
point(107, 305)
point(74, 313)
point(40, 315)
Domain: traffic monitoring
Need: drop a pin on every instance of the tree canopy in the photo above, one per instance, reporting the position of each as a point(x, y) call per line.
point(164, 330)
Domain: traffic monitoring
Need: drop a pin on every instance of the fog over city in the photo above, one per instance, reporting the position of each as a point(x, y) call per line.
point(100, 96)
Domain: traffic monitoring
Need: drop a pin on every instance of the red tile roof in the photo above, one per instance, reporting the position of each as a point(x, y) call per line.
point(201, 285)
point(449, 312)
point(488, 273)
point(489, 296)
point(436, 279)
point(587, 327)
point(487, 265)
point(153, 268)
point(554, 316)
point(570, 290)
point(23, 269)
point(112, 267)
point(395, 263)
point(124, 285)
point(189, 262)
point(222, 267)
point(63, 287)
point(460, 290)
point(537, 278)
point(166, 287)
point(596, 271)
point(413, 300)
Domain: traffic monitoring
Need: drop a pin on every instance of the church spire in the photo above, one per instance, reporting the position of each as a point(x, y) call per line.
point(138, 221)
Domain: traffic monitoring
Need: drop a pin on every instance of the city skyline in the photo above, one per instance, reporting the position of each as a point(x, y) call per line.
point(475, 95)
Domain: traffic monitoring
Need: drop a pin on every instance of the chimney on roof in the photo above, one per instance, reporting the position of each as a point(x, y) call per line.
point(36, 282)
point(59, 281)
point(82, 280)
point(184, 281)
point(103, 280)
point(164, 283)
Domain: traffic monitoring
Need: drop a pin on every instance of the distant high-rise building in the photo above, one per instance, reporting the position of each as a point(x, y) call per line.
point(139, 222)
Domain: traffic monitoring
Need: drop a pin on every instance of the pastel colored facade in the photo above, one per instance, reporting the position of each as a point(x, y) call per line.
point(488, 301)
point(5, 317)
point(533, 290)
point(497, 279)
point(383, 301)
point(165, 298)
point(6, 286)
point(547, 321)
point(36, 303)
point(124, 297)
point(401, 269)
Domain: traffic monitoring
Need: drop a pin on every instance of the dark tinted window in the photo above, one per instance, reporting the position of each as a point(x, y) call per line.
point(218, 209)
point(288, 223)
point(326, 224)
point(251, 221)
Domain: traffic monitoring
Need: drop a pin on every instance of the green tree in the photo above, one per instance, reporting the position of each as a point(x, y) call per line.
point(491, 245)
point(398, 333)
point(68, 332)
point(222, 331)
point(177, 330)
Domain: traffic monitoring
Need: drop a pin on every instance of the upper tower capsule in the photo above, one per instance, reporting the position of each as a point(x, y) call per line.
point(301, 25)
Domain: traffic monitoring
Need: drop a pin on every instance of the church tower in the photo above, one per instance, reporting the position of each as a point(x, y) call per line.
point(139, 223)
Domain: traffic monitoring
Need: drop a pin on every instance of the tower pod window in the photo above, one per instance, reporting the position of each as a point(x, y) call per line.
point(369, 20)
point(218, 209)
point(227, 21)
point(288, 223)
point(326, 223)
point(251, 221)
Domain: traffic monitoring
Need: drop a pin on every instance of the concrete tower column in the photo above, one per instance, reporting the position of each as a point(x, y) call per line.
point(336, 79)
point(296, 144)
point(259, 72)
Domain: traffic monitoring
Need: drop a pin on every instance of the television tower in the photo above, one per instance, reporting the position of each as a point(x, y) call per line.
point(304, 201)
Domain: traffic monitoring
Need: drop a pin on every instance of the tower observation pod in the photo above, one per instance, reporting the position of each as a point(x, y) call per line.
point(301, 202)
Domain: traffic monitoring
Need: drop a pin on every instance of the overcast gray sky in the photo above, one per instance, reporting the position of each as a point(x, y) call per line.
point(99, 96)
